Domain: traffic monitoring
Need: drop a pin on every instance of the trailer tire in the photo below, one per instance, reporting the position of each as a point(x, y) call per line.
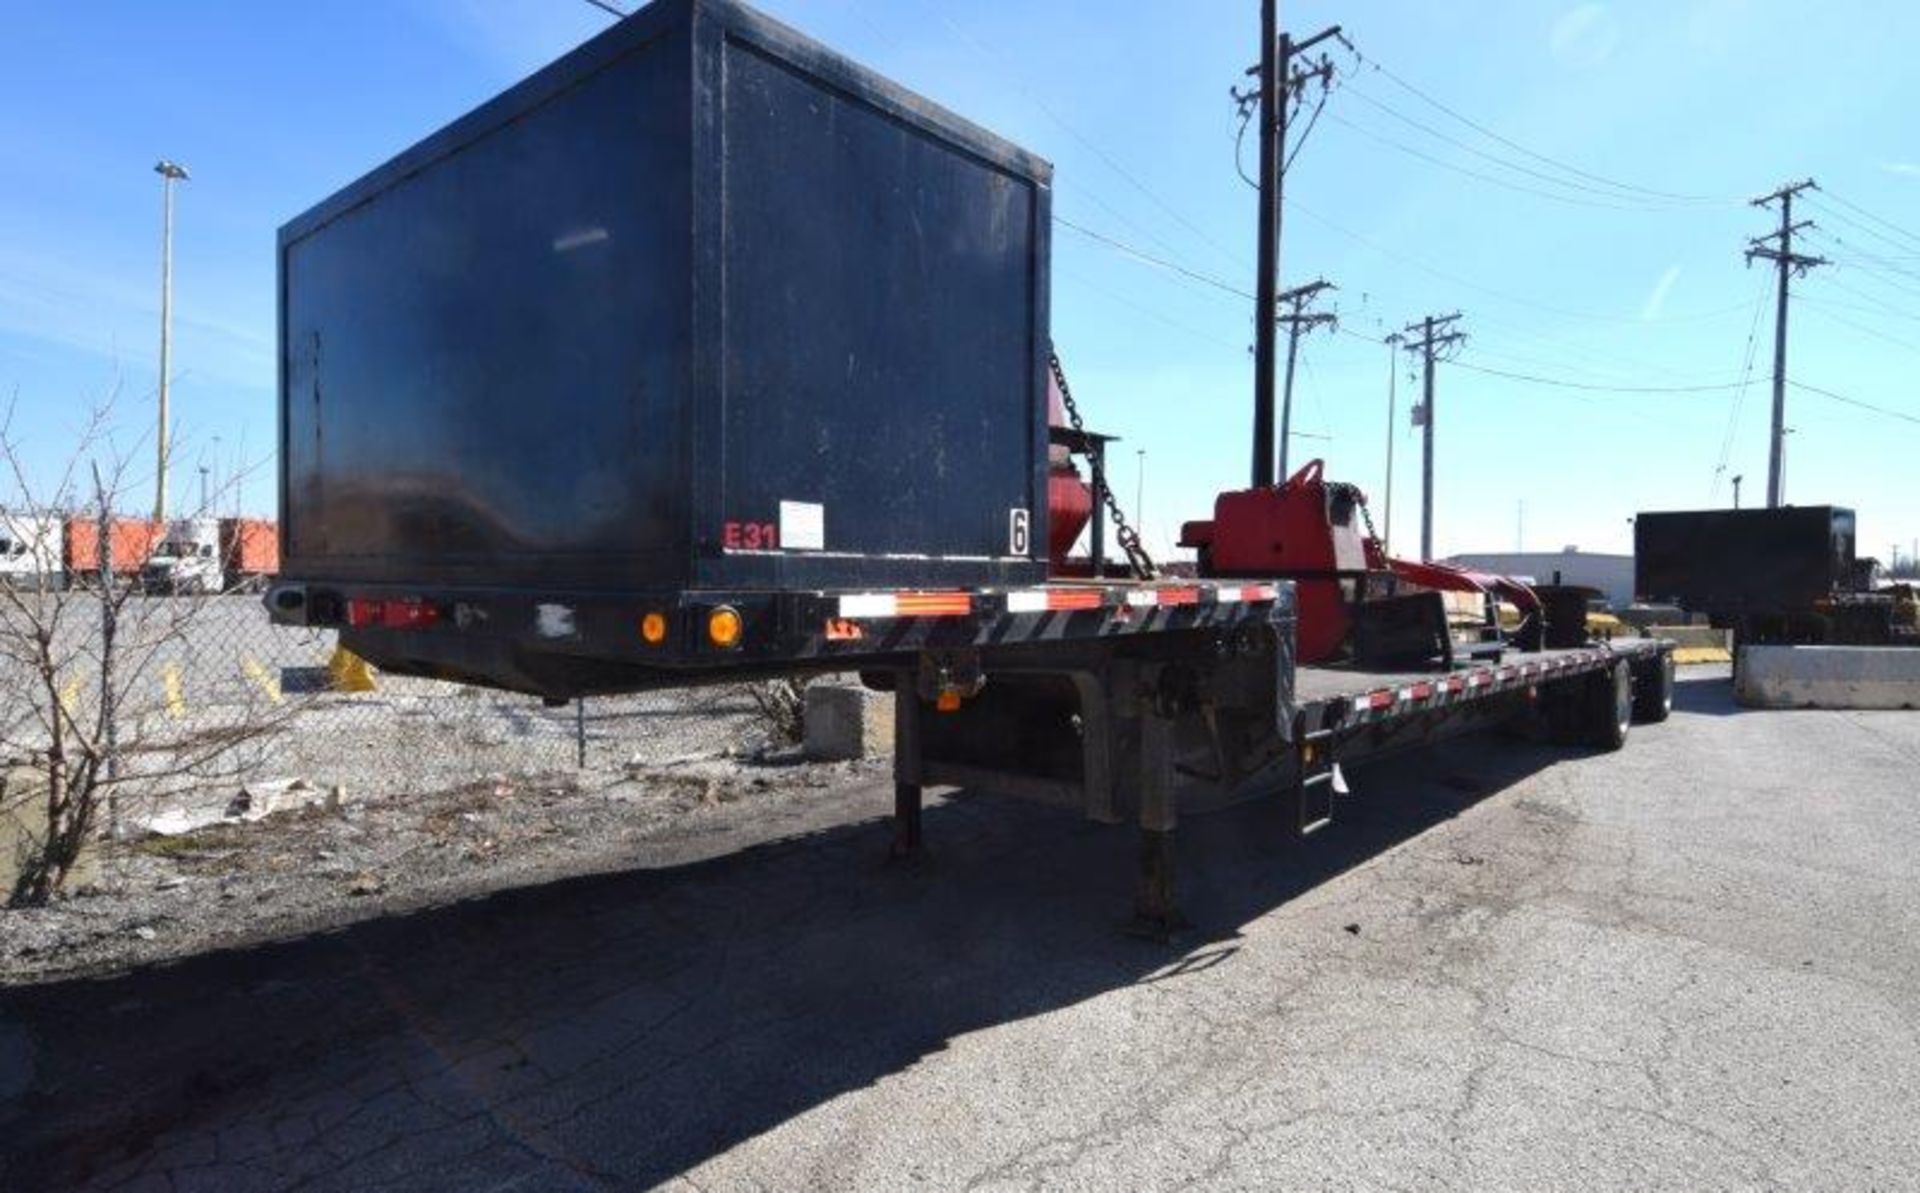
point(1653, 691)
point(1609, 706)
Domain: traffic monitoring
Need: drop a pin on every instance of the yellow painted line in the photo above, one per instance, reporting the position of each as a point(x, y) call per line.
point(70, 695)
point(263, 679)
point(176, 695)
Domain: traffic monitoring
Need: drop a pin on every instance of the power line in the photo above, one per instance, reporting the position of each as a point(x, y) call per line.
point(1537, 156)
point(1106, 159)
point(1750, 354)
point(1515, 299)
point(1563, 383)
point(1865, 330)
point(1158, 262)
point(1490, 179)
point(1859, 210)
point(605, 7)
point(1877, 259)
point(1505, 163)
point(1878, 310)
point(1851, 401)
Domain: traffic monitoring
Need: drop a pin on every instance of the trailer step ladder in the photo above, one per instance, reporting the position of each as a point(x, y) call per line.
point(1317, 778)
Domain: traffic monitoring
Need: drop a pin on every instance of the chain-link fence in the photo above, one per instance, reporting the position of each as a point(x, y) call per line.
point(196, 676)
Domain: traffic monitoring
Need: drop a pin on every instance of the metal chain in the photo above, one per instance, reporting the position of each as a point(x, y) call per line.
point(1123, 532)
point(1352, 493)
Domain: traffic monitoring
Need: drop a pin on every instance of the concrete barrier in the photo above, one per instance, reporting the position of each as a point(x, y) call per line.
point(1828, 677)
point(845, 721)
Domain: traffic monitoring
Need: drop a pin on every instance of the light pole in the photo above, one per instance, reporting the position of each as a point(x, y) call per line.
point(1736, 490)
point(170, 173)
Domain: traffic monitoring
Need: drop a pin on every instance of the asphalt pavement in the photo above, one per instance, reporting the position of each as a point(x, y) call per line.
point(1691, 965)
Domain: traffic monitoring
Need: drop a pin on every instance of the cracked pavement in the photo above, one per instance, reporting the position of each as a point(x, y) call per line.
point(1691, 965)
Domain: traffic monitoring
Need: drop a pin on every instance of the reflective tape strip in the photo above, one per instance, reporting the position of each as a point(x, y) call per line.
point(1381, 699)
point(905, 604)
point(1043, 600)
point(933, 604)
point(1178, 596)
point(1419, 691)
point(867, 604)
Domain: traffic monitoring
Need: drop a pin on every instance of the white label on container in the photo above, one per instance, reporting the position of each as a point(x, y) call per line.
point(1019, 532)
point(803, 526)
point(553, 621)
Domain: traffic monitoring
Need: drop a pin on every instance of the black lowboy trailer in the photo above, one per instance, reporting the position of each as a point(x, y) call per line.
point(706, 355)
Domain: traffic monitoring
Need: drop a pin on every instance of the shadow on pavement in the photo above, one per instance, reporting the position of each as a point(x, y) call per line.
point(621, 1029)
point(1706, 695)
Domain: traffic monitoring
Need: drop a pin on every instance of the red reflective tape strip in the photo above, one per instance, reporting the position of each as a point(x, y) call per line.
point(1456, 684)
point(1066, 599)
point(1178, 596)
point(1421, 691)
point(1259, 592)
point(1379, 699)
point(932, 604)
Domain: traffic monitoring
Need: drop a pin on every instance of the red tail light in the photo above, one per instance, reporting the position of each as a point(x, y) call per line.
point(403, 613)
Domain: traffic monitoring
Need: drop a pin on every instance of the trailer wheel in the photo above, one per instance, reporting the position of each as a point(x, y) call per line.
point(1653, 691)
point(1610, 706)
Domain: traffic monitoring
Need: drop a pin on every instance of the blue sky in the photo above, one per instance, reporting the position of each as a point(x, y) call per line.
point(273, 106)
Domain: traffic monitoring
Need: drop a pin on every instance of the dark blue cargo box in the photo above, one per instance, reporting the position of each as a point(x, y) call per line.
point(701, 306)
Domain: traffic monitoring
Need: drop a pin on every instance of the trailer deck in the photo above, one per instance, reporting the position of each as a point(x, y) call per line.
point(1344, 695)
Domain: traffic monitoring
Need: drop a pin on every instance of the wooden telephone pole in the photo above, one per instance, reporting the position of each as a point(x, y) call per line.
point(1433, 332)
point(1788, 263)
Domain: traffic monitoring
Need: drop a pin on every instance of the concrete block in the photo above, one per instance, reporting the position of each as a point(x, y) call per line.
point(1828, 677)
point(845, 721)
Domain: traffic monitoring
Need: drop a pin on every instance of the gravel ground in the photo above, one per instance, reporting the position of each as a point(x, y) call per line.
point(1688, 966)
point(231, 884)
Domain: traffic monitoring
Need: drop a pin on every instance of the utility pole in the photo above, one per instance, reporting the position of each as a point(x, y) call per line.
point(1279, 82)
point(1434, 332)
point(170, 173)
point(1788, 263)
point(1736, 489)
point(1299, 322)
point(1393, 374)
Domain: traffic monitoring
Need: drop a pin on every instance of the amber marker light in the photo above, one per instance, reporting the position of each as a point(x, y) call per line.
point(724, 627)
point(653, 628)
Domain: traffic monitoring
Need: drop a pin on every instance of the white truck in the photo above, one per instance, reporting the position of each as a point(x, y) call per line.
point(30, 551)
point(187, 561)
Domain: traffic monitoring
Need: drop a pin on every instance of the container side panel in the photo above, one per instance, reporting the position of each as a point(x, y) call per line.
point(485, 362)
point(1743, 560)
point(880, 328)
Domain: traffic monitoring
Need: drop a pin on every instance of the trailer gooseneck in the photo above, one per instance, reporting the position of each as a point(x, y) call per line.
point(705, 354)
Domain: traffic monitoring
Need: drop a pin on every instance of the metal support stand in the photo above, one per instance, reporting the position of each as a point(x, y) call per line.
point(908, 771)
point(1156, 911)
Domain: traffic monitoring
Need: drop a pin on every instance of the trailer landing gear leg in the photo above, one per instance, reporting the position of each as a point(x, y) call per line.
point(1156, 916)
point(906, 823)
point(908, 771)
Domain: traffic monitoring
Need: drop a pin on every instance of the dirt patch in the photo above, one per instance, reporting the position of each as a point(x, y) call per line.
point(231, 884)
